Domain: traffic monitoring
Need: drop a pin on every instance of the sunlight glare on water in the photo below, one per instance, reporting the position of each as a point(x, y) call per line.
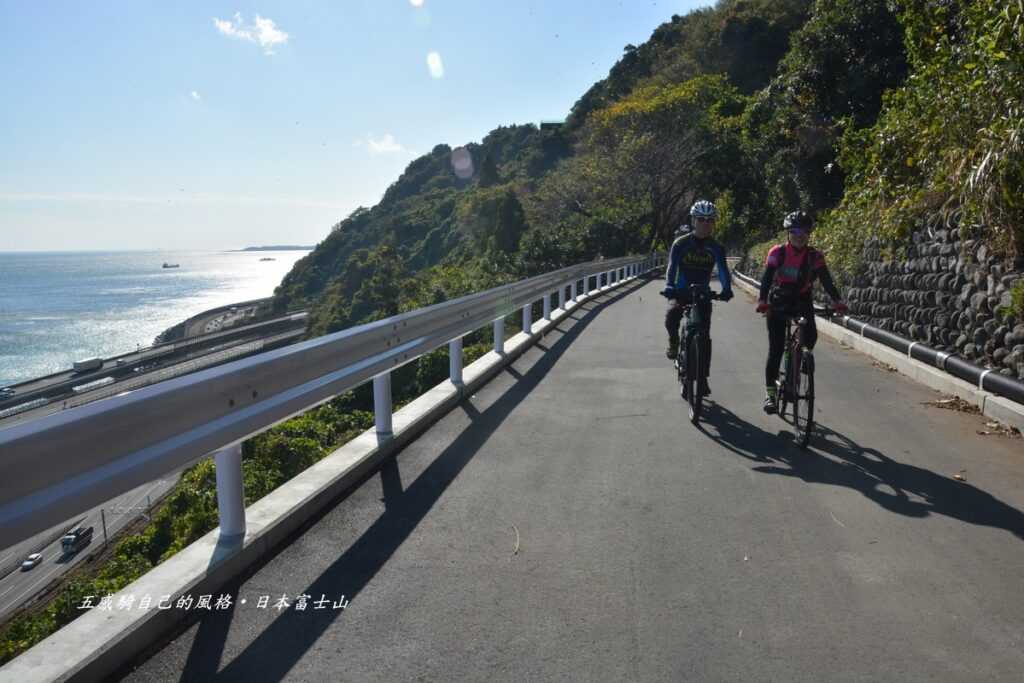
point(58, 307)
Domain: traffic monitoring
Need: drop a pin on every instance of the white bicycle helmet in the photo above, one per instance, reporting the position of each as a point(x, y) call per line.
point(703, 209)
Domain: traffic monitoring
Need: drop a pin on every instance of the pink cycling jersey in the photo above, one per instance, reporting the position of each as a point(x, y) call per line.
point(786, 261)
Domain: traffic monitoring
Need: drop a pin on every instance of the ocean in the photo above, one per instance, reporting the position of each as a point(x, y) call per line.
point(58, 307)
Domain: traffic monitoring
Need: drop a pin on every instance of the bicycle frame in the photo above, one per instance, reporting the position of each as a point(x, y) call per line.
point(691, 364)
point(799, 362)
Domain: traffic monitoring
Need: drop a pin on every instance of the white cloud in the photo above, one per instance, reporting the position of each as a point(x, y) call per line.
point(435, 65)
point(386, 144)
point(261, 30)
point(196, 96)
point(416, 3)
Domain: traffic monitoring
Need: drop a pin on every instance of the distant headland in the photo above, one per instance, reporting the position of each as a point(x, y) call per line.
point(277, 247)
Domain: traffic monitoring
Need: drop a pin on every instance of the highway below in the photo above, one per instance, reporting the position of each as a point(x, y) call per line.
point(188, 362)
point(17, 586)
point(60, 388)
point(568, 523)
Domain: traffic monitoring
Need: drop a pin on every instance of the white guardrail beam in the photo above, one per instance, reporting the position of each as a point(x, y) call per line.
point(62, 464)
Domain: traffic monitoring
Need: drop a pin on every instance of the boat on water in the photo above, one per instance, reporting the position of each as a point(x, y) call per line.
point(268, 258)
point(171, 265)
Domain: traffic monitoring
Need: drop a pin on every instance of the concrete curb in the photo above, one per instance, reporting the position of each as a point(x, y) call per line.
point(991, 405)
point(102, 642)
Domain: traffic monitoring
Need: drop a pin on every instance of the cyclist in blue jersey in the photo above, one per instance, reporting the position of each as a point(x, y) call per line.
point(692, 259)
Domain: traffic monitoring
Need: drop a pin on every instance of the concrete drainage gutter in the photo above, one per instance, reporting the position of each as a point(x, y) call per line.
point(909, 359)
point(101, 642)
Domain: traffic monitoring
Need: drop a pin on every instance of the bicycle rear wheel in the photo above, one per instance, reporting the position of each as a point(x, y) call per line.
point(694, 371)
point(803, 405)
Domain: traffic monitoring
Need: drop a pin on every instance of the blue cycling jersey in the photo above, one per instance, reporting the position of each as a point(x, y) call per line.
point(691, 261)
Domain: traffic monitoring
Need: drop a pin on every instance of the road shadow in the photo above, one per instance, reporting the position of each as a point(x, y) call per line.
point(276, 650)
point(836, 459)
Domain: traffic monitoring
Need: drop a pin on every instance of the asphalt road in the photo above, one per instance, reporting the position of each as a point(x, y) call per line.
point(572, 525)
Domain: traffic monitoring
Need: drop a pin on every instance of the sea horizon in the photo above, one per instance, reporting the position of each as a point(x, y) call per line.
point(60, 306)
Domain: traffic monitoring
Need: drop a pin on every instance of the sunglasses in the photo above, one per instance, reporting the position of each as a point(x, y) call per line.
point(797, 232)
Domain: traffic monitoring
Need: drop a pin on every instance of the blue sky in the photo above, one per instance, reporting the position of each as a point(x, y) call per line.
point(209, 125)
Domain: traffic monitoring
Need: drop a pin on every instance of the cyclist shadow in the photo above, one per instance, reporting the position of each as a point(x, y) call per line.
point(838, 460)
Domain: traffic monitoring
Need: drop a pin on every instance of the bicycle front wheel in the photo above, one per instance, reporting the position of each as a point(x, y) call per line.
point(803, 407)
point(694, 370)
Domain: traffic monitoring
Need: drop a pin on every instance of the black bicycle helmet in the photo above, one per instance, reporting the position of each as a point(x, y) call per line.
point(798, 220)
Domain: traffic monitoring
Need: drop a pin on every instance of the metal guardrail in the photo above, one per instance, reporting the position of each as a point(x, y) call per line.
point(62, 464)
point(985, 379)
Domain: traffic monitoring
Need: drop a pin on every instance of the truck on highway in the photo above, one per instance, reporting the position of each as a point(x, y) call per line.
point(87, 364)
point(76, 539)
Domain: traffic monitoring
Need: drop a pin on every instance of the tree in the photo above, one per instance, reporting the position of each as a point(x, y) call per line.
point(660, 147)
point(493, 217)
point(488, 172)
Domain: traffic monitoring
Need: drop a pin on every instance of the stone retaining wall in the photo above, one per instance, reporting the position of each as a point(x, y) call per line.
point(945, 293)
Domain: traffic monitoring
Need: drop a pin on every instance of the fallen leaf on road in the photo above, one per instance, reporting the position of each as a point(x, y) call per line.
point(954, 403)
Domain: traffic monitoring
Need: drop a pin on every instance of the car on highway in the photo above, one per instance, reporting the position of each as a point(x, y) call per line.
point(6, 391)
point(31, 561)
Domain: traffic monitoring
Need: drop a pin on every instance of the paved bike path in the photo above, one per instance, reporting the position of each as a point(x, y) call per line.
point(573, 525)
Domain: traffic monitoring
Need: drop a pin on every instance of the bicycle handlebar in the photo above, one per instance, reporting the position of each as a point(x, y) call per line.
point(712, 294)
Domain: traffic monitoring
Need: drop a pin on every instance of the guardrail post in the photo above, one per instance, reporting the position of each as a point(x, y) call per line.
point(558, 298)
point(499, 336)
point(528, 318)
point(230, 494)
point(547, 306)
point(382, 405)
point(575, 291)
point(455, 361)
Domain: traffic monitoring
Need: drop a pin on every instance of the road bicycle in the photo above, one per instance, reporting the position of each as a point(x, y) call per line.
point(695, 352)
point(795, 385)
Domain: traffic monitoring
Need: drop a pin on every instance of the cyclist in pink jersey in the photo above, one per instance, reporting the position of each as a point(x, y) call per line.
point(787, 289)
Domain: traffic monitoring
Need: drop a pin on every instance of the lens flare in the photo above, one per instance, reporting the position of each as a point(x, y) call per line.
point(462, 163)
point(435, 65)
